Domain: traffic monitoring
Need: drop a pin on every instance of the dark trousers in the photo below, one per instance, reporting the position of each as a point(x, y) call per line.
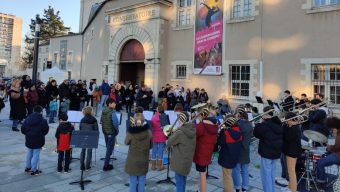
point(85, 163)
point(110, 141)
point(284, 172)
point(64, 156)
point(89, 98)
point(128, 108)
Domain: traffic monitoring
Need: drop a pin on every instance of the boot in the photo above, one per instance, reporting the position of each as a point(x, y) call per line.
point(160, 165)
point(15, 129)
point(153, 165)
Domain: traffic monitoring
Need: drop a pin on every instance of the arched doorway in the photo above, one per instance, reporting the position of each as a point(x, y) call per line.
point(131, 66)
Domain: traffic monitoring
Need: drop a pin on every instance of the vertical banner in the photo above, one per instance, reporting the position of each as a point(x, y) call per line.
point(208, 37)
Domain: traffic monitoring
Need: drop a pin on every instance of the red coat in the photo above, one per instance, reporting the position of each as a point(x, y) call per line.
point(206, 137)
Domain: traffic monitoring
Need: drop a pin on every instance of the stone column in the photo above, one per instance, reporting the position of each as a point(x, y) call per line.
point(112, 72)
point(152, 75)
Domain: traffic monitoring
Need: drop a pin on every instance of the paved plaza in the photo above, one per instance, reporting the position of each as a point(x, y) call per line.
point(13, 178)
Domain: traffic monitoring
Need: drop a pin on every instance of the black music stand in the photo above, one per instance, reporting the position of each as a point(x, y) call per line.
point(84, 140)
point(259, 99)
point(270, 103)
point(168, 179)
point(120, 117)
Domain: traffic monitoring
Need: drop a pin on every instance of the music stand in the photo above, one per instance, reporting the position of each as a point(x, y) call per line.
point(119, 117)
point(74, 117)
point(84, 140)
point(270, 103)
point(259, 99)
point(168, 179)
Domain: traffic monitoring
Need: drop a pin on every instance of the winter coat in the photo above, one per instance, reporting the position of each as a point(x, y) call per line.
point(43, 99)
point(143, 102)
point(105, 88)
point(129, 97)
point(65, 105)
point(96, 96)
point(203, 97)
point(247, 131)
point(88, 123)
point(64, 91)
point(206, 138)
point(33, 97)
point(82, 94)
point(17, 103)
point(292, 141)
point(110, 124)
point(35, 128)
point(157, 131)
point(230, 142)
point(51, 91)
point(75, 100)
point(63, 128)
point(316, 121)
point(183, 143)
point(194, 98)
point(288, 103)
point(54, 105)
point(270, 134)
point(139, 141)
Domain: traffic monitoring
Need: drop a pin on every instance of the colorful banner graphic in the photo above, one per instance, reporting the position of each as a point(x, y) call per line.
point(208, 37)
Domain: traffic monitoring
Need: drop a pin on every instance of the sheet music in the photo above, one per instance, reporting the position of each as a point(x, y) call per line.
point(74, 116)
point(119, 117)
point(172, 116)
point(148, 115)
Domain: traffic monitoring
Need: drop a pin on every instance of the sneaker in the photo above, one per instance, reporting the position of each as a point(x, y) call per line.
point(27, 170)
point(59, 171)
point(87, 169)
point(34, 173)
point(108, 168)
point(281, 182)
point(67, 171)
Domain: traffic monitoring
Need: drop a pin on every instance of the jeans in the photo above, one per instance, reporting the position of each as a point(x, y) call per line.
point(187, 106)
point(32, 158)
point(241, 170)
point(102, 102)
point(181, 181)
point(15, 123)
point(83, 164)
point(157, 150)
point(137, 181)
point(110, 142)
point(268, 173)
point(53, 114)
point(64, 156)
point(284, 169)
point(331, 159)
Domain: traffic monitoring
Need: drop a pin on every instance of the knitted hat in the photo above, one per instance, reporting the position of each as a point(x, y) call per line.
point(183, 117)
point(240, 110)
point(230, 121)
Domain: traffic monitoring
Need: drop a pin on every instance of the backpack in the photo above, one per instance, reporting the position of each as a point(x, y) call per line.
point(64, 142)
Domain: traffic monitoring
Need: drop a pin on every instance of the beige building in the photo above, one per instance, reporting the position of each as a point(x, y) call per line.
point(268, 46)
point(10, 44)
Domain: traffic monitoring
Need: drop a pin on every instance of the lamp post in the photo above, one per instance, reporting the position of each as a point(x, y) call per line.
point(36, 48)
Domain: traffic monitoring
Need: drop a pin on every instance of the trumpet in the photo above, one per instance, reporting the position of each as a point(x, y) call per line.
point(262, 114)
point(297, 120)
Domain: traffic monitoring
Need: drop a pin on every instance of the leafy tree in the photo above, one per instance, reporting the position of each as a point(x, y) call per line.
point(51, 26)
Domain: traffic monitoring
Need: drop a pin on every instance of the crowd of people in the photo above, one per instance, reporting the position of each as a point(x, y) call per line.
point(217, 129)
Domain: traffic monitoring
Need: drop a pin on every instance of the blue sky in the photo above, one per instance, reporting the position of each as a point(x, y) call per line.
point(27, 9)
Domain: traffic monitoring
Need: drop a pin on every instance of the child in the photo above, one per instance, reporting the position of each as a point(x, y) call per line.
point(87, 123)
point(230, 142)
point(96, 100)
point(35, 128)
point(65, 105)
point(158, 139)
point(183, 143)
point(139, 140)
point(63, 136)
point(53, 109)
point(33, 98)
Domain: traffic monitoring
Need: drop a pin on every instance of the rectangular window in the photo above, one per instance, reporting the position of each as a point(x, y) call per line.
point(239, 80)
point(181, 71)
point(70, 58)
point(184, 12)
point(242, 8)
point(320, 3)
point(106, 70)
point(63, 56)
point(326, 81)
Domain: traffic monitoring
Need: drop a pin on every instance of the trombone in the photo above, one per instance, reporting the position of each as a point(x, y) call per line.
point(262, 114)
point(297, 120)
point(313, 107)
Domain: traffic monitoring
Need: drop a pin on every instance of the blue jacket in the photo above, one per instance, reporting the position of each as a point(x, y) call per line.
point(35, 128)
point(230, 141)
point(53, 106)
point(105, 88)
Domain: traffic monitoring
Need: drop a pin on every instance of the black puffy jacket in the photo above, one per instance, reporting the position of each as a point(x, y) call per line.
point(35, 128)
point(270, 134)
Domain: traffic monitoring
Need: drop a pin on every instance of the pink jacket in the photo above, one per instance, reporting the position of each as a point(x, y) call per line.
point(157, 131)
